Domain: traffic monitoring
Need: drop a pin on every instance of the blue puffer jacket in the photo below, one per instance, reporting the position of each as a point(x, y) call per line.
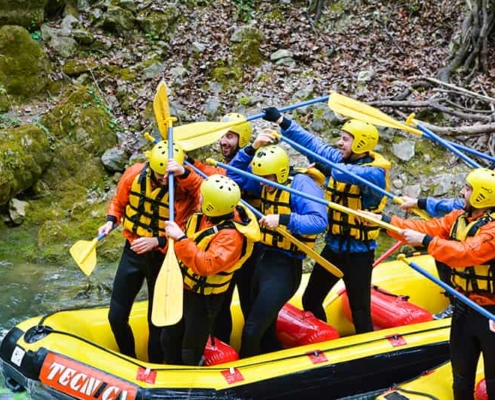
point(370, 197)
point(439, 207)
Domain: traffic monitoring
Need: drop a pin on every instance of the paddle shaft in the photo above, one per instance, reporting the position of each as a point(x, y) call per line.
point(432, 136)
point(302, 246)
point(472, 151)
point(292, 107)
point(330, 204)
point(387, 253)
point(306, 151)
point(448, 289)
point(167, 296)
point(171, 194)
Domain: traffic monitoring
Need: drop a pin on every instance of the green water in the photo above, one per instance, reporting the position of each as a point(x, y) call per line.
point(29, 290)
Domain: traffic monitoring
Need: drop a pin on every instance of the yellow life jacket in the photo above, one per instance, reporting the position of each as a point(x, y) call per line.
point(343, 224)
point(148, 208)
point(314, 173)
point(479, 279)
point(278, 202)
point(219, 283)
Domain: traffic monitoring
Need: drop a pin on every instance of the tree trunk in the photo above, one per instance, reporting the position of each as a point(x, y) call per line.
point(471, 54)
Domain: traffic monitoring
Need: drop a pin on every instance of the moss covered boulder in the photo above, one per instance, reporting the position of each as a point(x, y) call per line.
point(25, 152)
point(157, 25)
point(24, 68)
point(27, 13)
point(56, 168)
point(82, 120)
point(246, 45)
point(75, 196)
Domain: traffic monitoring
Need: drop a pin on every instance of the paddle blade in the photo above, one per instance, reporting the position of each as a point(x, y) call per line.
point(199, 134)
point(161, 108)
point(355, 109)
point(84, 254)
point(168, 295)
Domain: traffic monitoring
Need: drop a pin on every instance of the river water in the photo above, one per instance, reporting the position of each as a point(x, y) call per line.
point(28, 290)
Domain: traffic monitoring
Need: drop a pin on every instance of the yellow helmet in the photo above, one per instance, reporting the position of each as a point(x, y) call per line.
point(271, 159)
point(365, 135)
point(220, 195)
point(482, 180)
point(244, 131)
point(159, 156)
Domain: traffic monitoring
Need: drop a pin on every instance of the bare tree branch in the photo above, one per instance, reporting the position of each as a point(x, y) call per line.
point(460, 89)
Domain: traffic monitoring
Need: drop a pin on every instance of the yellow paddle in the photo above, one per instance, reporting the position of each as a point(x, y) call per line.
point(84, 254)
point(161, 108)
point(355, 109)
point(168, 295)
point(199, 134)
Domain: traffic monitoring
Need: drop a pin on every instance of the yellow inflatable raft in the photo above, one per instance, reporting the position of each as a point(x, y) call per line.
point(433, 384)
point(72, 354)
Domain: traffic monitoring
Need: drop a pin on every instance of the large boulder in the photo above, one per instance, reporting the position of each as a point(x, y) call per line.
point(25, 152)
point(27, 13)
point(82, 128)
point(24, 67)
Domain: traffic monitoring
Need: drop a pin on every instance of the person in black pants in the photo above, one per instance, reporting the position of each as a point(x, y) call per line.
point(464, 240)
point(349, 244)
point(141, 205)
point(357, 274)
point(235, 138)
point(210, 250)
point(278, 269)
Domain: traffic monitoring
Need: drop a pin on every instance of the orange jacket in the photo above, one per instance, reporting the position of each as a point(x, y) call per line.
point(224, 251)
point(186, 196)
point(475, 250)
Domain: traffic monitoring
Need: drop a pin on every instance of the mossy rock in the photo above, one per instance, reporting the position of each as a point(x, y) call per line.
point(27, 13)
point(117, 20)
point(226, 75)
point(24, 68)
point(78, 67)
point(248, 52)
point(4, 102)
point(127, 74)
point(83, 120)
point(73, 200)
point(158, 25)
point(56, 237)
point(25, 152)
